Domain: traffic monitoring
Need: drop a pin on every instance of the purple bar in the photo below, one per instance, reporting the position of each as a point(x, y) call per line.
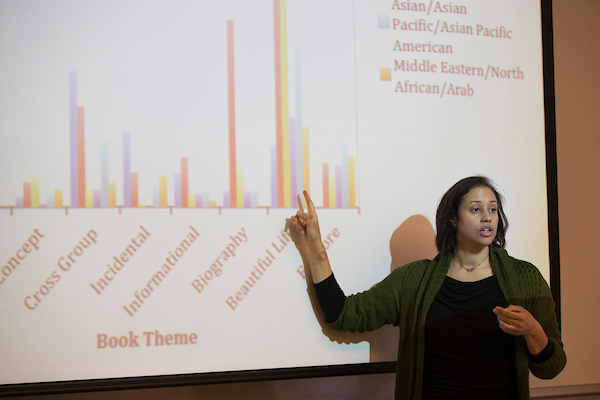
point(126, 169)
point(247, 202)
point(73, 137)
point(339, 201)
point(198, 201)
point(273, 177)
point(226, 198)
point(177, 190)
point(293, 187)
point(97, 198)
point(19, 201)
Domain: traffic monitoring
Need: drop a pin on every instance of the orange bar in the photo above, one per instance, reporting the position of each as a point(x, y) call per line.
point(184, 182)
point(134, 189)
point(231, 103)
point(162, 190)
point(351, 183)
point(326, 185)
point(58, 198)
point(27, 194)
point(80, 156)
point(305, 162)
point(112, 194)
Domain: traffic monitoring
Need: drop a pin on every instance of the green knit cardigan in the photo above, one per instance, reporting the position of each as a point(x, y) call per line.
point(404, 298)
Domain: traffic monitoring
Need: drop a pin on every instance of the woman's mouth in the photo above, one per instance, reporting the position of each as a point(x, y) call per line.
point(486, 232)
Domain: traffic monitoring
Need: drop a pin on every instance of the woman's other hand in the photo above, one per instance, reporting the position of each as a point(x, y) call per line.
point(517, 321)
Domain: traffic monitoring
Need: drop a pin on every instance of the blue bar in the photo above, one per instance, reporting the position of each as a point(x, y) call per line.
point(177, 190)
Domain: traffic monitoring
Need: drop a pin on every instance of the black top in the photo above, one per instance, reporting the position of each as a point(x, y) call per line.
point(467, 355)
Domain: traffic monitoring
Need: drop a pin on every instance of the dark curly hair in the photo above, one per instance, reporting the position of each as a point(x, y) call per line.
point(447, 211)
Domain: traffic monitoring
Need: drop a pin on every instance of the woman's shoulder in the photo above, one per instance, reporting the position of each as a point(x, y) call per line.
point(415, 269)
point(511, 262)
point(524, 271)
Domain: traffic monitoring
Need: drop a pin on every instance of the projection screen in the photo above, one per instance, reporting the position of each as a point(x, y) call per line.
point(151, 151)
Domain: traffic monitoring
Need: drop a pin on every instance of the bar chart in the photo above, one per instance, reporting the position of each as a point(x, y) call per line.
point(293, 165)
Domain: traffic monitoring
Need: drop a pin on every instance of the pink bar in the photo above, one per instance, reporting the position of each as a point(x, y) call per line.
point(97, 198)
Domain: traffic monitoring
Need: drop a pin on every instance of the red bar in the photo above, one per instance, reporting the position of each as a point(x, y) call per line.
point(80, 157)
point(326, 185)
point(231, 98)
point(134, 189)
point(278, 111)
point(184, 182)
point(27, 194)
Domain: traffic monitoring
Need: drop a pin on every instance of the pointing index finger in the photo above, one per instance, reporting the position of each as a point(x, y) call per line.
point(309, 204)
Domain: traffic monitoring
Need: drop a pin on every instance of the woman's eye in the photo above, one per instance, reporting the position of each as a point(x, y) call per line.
point(475, 209)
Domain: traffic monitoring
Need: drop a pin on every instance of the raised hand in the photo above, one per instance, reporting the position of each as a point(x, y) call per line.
point(304, 230)
point(309, 222)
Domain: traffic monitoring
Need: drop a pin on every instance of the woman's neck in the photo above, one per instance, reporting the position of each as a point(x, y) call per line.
point(467, 266)
point(471, 258)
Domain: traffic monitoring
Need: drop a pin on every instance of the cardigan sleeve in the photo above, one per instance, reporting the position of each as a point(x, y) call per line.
point(369, 310)
point(385, 302)
point(543, 311)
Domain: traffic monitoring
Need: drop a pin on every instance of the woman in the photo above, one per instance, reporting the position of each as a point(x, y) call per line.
point(473, 321)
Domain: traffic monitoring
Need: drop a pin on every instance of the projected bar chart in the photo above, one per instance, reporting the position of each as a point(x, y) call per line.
point(152, 153)
point(289, 171)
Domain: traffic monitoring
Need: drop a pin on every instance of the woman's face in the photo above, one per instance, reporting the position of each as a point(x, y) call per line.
point(477, 220)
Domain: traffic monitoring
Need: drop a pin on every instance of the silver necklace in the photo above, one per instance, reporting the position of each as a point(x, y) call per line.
point(470, 269)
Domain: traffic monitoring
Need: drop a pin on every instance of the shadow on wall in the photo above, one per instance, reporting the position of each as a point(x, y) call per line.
point(413, 240)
